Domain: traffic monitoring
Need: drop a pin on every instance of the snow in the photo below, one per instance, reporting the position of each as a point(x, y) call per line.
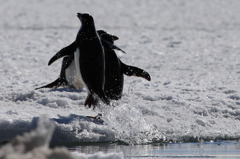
point(190, 48)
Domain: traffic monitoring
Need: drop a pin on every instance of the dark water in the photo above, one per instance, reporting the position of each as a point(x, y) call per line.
point(221, 149)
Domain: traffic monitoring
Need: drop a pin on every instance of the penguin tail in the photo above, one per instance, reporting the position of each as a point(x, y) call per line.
point(57, 83)
point(135, 71)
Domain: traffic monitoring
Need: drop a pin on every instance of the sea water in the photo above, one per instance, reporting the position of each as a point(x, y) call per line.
point(219, 149)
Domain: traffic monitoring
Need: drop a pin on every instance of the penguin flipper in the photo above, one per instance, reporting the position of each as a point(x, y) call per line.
point(135, 71)
point(57, 83)
point(66, 51)
point(68, 61)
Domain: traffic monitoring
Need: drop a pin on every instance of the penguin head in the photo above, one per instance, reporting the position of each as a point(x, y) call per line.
point(106, 36)
point(86, 19)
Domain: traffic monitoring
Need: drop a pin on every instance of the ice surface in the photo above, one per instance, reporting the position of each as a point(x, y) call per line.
point(190, 48)
point(35, 145)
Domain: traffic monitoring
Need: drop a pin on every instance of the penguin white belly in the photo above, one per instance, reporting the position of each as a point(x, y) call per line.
point(72, 76)
point(77, 68)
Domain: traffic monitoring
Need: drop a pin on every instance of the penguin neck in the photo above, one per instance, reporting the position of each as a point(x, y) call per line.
point(86, 33)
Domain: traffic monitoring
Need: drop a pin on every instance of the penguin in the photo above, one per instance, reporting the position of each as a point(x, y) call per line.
point(114, 69)
point(88, 58)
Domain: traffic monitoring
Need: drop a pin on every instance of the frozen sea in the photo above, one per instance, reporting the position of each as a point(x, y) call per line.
point(190, 48)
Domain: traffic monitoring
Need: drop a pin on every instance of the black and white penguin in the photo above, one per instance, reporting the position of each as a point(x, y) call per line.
point(89, 60)
point(115, 69)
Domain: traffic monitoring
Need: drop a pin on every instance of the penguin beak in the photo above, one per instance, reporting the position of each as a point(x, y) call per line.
point(79, 15)
point(114, 37)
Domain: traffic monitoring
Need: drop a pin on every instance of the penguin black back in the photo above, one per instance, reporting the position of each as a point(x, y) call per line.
point(113, 75)
point(91, 59)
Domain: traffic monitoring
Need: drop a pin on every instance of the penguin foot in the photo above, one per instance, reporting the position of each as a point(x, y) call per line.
point(106, 100)
point(90, 100)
